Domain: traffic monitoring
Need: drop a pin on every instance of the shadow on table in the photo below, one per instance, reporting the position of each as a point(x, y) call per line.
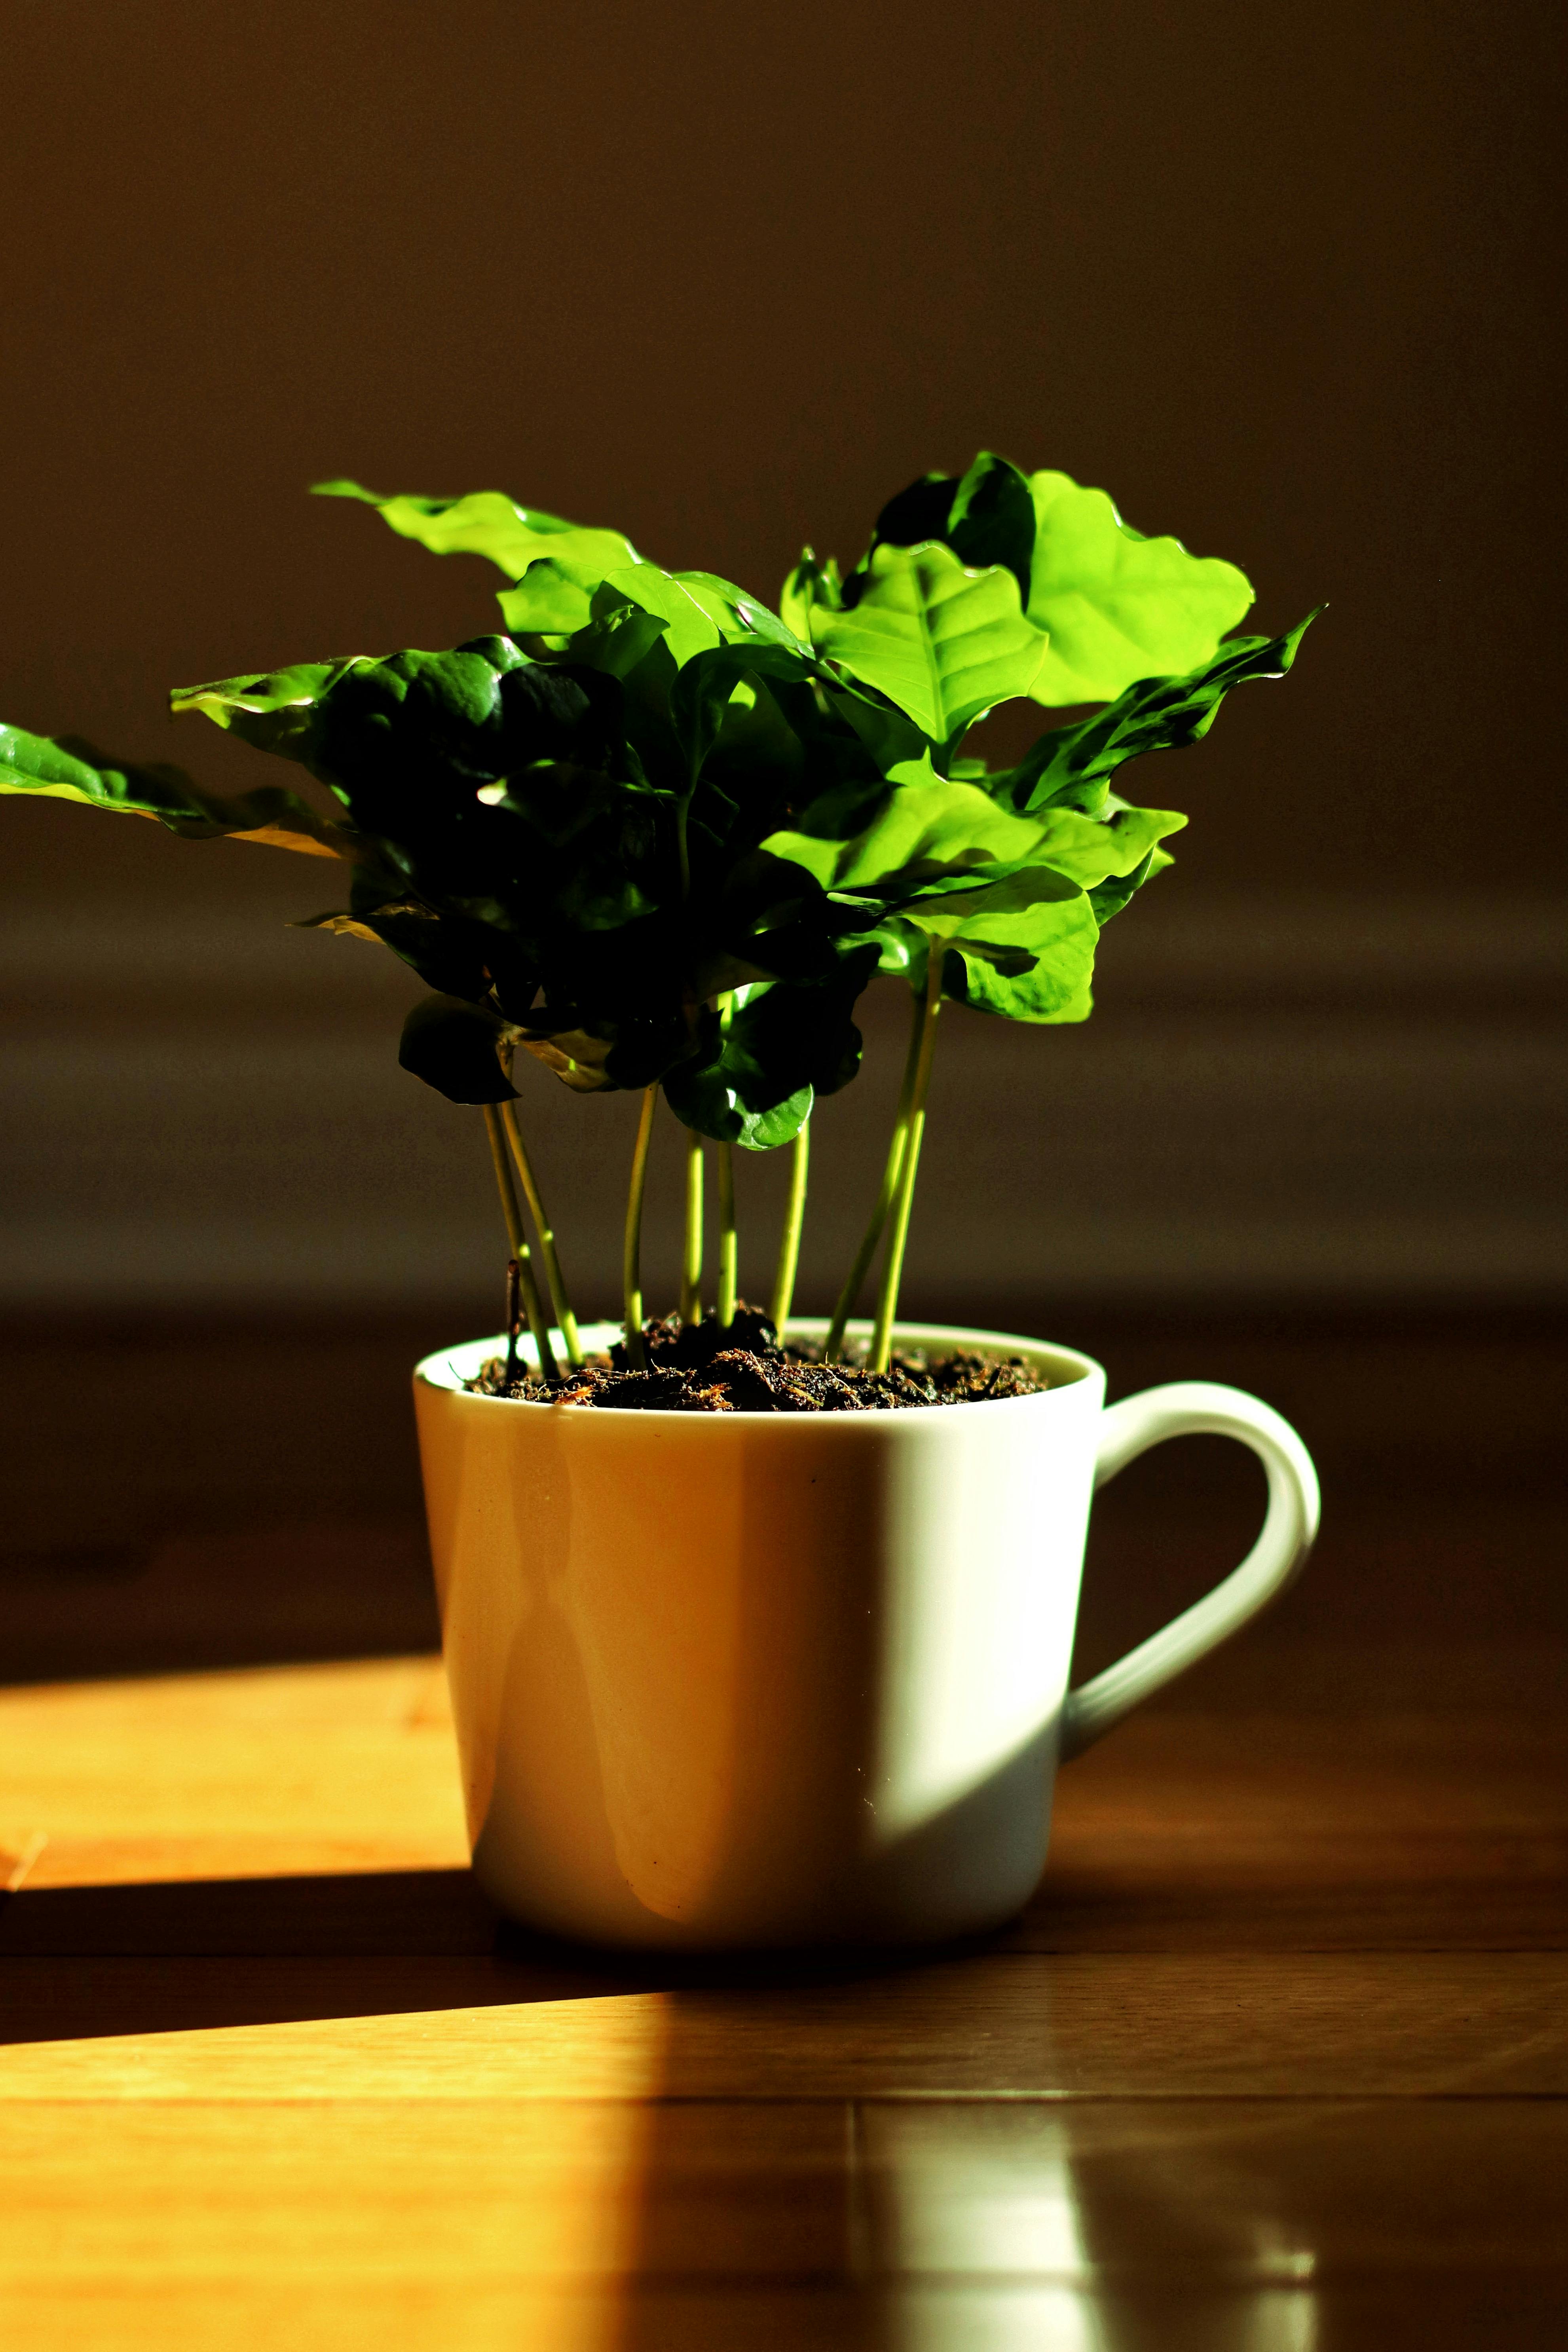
point(85, 1962)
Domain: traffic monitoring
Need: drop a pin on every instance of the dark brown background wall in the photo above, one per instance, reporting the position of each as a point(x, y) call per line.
point(1283, 281)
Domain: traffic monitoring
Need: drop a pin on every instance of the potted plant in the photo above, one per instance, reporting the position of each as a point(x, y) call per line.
point(758, 1626)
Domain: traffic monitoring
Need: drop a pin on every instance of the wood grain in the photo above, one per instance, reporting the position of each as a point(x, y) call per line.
point(1278, 2058)
point(1089, 2026)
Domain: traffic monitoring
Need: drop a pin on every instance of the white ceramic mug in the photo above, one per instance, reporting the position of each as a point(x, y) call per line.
point(750, 1679)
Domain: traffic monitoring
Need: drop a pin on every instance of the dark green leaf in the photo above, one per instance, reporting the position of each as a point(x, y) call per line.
point(786, 1043)
point(886, 733)
point(450, 956)
point(992, 519)
point(452, 1046)
point(440, 759)
point(986, 518)
point(703, 692)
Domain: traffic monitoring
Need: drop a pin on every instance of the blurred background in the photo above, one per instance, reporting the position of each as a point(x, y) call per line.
point(1287, 285)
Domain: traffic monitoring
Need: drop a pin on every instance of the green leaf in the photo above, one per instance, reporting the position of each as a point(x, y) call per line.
point(67, 769)
point(451, 1044)
point(1053, 991)
point(618, 643)
point(448, 954)
point(1113, 894)
point(991, 519)
point(740, 617)
point(275, 712)
point(1088, 850)
point(703, 690)
point(986, 518)
point(785, 1045)
point(888, 840)
point(575, 1057)
point(888, 735)
point(1022, 946)
point(551, 599)
point(1118, 606)
point(494, 789)
point(690, 627)
point(1069, 765)
point(488, 524)
point(944, 642)
point(812, 592)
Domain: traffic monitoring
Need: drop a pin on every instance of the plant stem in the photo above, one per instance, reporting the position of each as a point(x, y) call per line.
point(631, 1259)
point(513, 1317)
point(691, 1265)
point(544, 1235)
point(728, 1241)
point(789, 1243)
point(517, 1242)
point(873, 1234)
point(893, 1265)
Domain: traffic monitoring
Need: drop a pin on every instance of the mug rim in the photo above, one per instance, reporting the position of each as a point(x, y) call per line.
point(445, 1369)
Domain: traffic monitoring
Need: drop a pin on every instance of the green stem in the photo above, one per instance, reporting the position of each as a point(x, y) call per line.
point(631, 1257)
point(789, 1243)
point(728, 1241)
point(873, 1234)
point(893, 1263)
point(544, 1233)
point(691, 1263)
point(513, 1318)
point(517, 1244)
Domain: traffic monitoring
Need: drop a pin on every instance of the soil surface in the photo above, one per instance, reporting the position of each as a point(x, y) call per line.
point(741, 1367)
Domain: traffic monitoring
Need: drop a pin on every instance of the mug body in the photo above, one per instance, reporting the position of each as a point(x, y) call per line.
point(754, 1679)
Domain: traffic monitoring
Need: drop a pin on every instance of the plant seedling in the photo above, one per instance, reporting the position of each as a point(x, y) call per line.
point(660, 838)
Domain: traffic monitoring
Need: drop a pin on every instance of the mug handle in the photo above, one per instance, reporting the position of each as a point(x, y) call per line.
point(1187, 1409)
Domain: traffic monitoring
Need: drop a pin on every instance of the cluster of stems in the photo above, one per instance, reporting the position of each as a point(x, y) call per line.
point(895, 1198)
point(509, 1154)
point(890, 1219)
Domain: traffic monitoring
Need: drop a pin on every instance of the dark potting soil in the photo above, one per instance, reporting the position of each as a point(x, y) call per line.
point(741, 1367)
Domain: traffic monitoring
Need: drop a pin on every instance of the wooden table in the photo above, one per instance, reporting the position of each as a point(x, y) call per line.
point(1278, 2062)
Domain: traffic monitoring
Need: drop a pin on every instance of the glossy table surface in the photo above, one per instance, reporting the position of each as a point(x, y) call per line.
point(1277, 2062)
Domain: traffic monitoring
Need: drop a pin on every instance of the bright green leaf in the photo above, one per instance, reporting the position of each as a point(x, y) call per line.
point(917, 826)
point(811, 593)
point(1110, 897)
point(552, 598)
point(689, 629)
point(942, 642)
point(1090, 850)
point(1070, 765)
point(1118, 606)
point(740, 618)
point(488, 524)
point(1022, 946)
